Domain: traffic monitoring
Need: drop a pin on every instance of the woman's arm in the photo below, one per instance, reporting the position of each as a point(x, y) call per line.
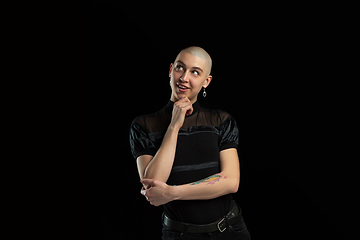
point(159, 166)
point(225, 182)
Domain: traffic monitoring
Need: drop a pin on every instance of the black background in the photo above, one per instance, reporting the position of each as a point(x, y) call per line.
point(270, 72)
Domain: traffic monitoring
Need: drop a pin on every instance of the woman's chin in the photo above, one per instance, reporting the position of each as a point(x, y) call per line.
point(176, 97)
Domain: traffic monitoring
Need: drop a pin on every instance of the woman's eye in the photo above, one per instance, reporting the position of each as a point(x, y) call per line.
point(179, 68)
point(195, 72)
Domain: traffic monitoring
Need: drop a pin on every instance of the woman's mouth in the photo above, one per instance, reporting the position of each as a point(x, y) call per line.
point(182, 88)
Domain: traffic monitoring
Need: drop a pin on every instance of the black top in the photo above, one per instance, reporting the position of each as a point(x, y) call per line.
point(204, 134)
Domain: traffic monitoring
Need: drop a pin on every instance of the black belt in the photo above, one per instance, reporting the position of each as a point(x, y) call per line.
point(231, 218)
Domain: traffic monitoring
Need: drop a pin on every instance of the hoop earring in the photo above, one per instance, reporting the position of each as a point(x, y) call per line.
point(204, 93)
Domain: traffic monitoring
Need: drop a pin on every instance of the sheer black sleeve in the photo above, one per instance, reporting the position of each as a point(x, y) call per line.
point(229, 134)
point(140, 142)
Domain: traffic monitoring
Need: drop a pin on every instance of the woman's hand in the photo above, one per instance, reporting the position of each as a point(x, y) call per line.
point(181, 108)
point(157, 192)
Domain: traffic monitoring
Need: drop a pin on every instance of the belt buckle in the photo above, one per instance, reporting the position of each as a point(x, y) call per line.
point(221, 225)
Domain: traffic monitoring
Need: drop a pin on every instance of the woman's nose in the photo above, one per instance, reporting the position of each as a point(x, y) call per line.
point(184, 76)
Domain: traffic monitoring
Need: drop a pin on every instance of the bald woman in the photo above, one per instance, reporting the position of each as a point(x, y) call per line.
point(187, 157)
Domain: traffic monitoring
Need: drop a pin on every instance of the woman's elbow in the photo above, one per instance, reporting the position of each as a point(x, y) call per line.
point(234, 186)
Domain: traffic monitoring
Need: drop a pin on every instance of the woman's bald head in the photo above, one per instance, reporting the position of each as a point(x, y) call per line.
point(201, 53)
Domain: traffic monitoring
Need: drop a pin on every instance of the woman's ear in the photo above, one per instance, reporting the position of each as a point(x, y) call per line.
point(171, 66)
point(207, 81)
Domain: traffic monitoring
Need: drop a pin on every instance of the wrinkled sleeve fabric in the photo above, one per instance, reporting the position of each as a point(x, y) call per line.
point(140, 142)
point(229, 134)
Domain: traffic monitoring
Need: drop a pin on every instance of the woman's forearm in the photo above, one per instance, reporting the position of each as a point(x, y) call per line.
point(159, 193)
point(227, 181)
point(160, 166)
point(209, 188)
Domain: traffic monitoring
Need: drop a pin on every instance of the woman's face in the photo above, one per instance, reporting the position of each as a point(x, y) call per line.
point(188, 74)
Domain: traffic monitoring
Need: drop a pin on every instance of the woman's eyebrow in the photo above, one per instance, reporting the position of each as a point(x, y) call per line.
point(178, 61)
point(197, 68)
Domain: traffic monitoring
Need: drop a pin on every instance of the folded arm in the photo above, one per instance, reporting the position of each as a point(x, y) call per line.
point(225, 182)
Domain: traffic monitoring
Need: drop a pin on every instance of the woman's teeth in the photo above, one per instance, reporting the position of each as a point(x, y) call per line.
point(182, 87)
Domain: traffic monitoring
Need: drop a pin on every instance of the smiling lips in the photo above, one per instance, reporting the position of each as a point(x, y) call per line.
point(182, 88)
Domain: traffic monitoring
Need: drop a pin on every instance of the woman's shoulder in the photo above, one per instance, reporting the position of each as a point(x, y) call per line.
point(216, 112)
point(217, 116)
point(153, 121)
